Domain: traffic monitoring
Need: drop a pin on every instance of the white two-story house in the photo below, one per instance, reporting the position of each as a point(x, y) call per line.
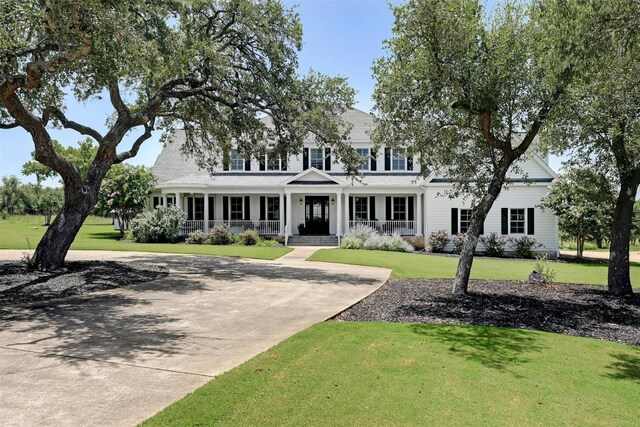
point(308, 194)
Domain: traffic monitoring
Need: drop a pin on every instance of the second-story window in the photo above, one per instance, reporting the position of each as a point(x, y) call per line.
point(236, 161)
point(316, 158)
point(273, 163)
point(398, 159)
point(364, 153)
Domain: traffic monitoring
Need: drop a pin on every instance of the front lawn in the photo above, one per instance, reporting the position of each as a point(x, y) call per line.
point(401, 374)
point(409, 266)
point(24, 232)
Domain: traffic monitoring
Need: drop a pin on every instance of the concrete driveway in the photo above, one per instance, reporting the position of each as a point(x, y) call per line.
point(117, 357)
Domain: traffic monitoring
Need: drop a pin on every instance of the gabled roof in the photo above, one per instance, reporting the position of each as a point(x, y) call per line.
point(312, 176)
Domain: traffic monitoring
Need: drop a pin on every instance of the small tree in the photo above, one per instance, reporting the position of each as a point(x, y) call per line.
point(80, 156)
point(125, 191)
point(10, 194)
point(49, 202)
point(583, 200)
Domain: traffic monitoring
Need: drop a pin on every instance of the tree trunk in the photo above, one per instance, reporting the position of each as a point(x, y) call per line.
point(579, 246)
point(599, 242)
point(480, 212)
point(619, 281)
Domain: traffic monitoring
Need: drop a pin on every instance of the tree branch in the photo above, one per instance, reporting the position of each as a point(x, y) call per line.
point(70, 124)
point(117, 102)
point(9, 125)
point(148, 129)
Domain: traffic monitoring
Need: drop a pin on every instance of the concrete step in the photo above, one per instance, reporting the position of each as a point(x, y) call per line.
point(313, 241)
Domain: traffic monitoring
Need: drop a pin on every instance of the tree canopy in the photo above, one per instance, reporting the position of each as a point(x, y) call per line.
point(225, 71)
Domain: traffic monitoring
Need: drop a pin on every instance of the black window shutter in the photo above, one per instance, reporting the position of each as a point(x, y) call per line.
point(409, 163)
point(284, 211)
point(225, 163)
point(410, 208)
point(284, 163)
point(263, 208)
point(327, 159)
point(225, 208)
point(530, 221)
point(190, 208)
point(387, 159)
point(350, 208)
point(263, 163)
point(482, 228)
point(505, 221)
point(211, 208)
point(388, 214)
point(372, 208)
point(247, 164)
point(454, 221)
point(247, 208)
point(374, 160)
point(305, 159)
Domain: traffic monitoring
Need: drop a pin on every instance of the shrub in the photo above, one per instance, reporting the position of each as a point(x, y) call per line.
point(198, 237)
point(268, 243)
point(220, 235)
point(351, 242)
point(458, 242)
point(160, 225)
point(363, 237)
point(493, 244)
point(249, 237)
point(438, 241)
point(522, 247)
point(543, 266)
point(416, 241)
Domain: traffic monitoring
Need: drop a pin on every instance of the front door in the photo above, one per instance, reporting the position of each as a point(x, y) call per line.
point(316, 210)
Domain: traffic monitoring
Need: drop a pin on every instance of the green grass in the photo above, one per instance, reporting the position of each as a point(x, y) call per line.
point(405, 265)
point(24, 232)
point(397, 374)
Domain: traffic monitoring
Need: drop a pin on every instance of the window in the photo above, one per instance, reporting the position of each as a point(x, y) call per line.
point(236, 208)
point(199, 208)
point(273, 163)
point(465, 220)
point(364, 153)
point(398, 159)
point(517, 221)
point(361, 209)
point(237, 162)
point(157, 201)
point(316, 158)
point(171, 200)
point(273, 208)
point(399, 208)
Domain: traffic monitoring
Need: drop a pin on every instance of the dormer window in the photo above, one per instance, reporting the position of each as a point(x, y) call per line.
point(274, 163)
point(316, 158)
point(364, 153)
point(398, 159)
point(236, 161)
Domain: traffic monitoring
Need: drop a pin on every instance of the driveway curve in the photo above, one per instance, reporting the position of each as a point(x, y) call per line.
point(116, 357)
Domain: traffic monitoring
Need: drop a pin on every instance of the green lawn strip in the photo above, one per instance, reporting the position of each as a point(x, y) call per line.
point(98, 234)
point(398, 374)
point(443, 267)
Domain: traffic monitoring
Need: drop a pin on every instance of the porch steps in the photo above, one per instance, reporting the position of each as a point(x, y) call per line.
point(313, 241)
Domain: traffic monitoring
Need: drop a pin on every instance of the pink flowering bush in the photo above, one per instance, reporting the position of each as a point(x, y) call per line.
point(438, 241)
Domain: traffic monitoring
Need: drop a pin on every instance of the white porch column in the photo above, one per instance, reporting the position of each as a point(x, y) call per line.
point(345, 220)
point(282, 214)
point(164, 199)
point(206, 212)
point(289, 230)
point(179, 201)
point(339, 215)
point(418, 215)
point(426, 215)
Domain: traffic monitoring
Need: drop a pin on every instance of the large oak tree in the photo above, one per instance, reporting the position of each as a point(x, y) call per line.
point(212, 67)
point(469, 92)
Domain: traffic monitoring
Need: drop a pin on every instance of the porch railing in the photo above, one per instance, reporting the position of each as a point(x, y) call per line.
point(404, 228)
point(266, 227)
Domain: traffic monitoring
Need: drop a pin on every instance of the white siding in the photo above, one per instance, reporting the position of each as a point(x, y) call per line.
point(521, 196)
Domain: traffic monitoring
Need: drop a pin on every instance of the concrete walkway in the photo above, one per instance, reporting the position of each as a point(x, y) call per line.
point(116, 357)
point(633, 256)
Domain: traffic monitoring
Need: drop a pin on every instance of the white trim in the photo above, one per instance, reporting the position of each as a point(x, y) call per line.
point(322, 173)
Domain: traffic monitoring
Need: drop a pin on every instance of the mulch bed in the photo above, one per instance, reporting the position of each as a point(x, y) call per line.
point(20, 285)
point(580, 310)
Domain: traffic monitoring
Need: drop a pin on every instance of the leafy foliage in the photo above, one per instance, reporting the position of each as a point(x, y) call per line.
point(583, 200)
point(364, 237)
point(80, 156)
point(220, 235)
point(544, 267)
point(249, 237)
point(458, 242)
point(522, 247)
point(125, 192)
point(494, 244)
point(197, 237)
point(161, 225)
point(438, 241)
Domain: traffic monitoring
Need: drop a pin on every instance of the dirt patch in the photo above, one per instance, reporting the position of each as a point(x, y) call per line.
point(580, 310)
point(19, 285)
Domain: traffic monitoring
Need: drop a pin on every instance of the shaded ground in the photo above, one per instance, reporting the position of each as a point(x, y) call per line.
point(20, 285)
point(563, 308)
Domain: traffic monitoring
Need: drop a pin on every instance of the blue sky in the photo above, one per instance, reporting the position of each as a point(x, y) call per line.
point(341, 37)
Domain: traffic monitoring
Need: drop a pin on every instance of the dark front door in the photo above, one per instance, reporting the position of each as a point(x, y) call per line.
point(316, 210)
